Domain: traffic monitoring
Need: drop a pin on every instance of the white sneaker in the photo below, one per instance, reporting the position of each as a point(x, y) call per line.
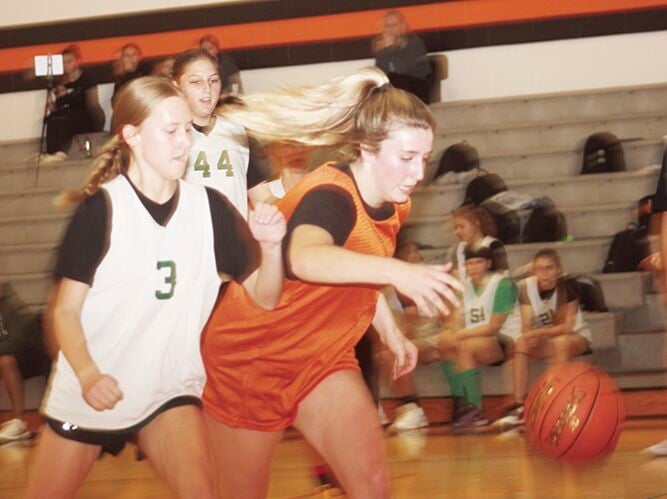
point(658, 450)
point(513, 419)
point(409, 417)
point(14, 429)
point(384, 420)
point(56, 157)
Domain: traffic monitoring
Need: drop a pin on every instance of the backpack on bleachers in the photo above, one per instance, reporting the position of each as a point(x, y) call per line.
point(603, 153)
point(483, 186)
point(591, 297)
point(545, 224)
point(629, 247)
point(506, 220)
point(458, 158)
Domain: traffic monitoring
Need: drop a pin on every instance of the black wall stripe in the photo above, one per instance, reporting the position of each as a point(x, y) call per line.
point(181, 19)
point(436, 41)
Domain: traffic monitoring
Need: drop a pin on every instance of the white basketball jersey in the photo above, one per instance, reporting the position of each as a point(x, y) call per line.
point(461, 257)
point(543, 310)
point(151, 296)
point(479, 308)
point(220, 160)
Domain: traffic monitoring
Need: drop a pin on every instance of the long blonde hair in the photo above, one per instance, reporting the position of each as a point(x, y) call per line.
point(343, 112)
point(131, 106)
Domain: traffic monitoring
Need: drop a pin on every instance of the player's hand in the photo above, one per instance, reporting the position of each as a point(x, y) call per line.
point(267, 224)
point(430, 287)
point(532, 338)
point(101, 391)
point(405, 354)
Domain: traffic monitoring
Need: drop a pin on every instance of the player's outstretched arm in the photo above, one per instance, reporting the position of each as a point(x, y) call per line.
point(267, 225)
point(101, 391)
point(314, 257)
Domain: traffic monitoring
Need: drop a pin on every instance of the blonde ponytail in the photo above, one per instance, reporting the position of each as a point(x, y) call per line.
point(360, 107)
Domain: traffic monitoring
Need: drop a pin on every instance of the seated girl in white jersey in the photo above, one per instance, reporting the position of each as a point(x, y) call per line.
point(137, 276)
point(483, 335)
point(474, 228)
point(222, 156)
point(552, 325)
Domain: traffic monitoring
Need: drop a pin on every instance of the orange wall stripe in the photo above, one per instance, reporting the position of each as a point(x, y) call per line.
point(447, 15)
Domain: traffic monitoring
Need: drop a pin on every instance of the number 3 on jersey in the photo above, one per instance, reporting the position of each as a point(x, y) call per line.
point(202, 165)
point(170, 279)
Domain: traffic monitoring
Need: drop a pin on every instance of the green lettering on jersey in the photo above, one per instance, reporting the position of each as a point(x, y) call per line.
point(224, 163)
point(170, 279)
point(476, 315)
point(201, 165)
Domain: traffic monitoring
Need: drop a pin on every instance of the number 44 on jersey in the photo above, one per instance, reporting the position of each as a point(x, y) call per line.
point(202, 165)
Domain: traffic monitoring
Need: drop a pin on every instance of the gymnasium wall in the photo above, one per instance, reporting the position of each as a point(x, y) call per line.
point(495, 48)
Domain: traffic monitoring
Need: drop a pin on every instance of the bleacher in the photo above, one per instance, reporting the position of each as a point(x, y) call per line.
point(533, 142)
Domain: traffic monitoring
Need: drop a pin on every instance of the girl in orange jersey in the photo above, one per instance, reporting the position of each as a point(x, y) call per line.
point(296, 365)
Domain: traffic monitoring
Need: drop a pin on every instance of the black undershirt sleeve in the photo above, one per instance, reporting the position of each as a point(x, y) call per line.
point(86, 240)
point(258, 164)
point(237, 253)
point(329, 207)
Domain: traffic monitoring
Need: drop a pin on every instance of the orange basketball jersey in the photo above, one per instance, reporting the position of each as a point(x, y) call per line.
point(260, 363)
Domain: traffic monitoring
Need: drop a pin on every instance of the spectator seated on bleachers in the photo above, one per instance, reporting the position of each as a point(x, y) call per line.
point(474, 228)
point(552, 326)
point(402, 56)
point(22, 356)
point(481, 337)
point(229, 72)
point(129, 66)
point(74, 107)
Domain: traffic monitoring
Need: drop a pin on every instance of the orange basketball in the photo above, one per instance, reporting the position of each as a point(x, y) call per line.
point(574, 412)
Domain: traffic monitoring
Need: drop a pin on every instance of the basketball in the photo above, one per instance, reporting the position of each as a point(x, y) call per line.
point(574, 412)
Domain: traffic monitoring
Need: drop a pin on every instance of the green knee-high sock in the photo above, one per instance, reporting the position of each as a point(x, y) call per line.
point(471, 384)
point(453, 377)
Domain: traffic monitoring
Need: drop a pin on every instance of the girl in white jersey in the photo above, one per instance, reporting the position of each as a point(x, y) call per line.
point(489, 304)
point(474, 228)
point(552, 326)
point(138, 274)
point(220, 155)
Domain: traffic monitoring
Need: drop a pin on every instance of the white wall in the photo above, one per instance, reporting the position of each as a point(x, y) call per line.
point(479, 73)
point(50, 11)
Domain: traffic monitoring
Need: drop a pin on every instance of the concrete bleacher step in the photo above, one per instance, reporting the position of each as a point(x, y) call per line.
point(17, 151)
point(650, 316)
point(598, 220)
point(69, 174)
point(569, 132)
point(602, 188)
point(641, 379)
point(27, 258)
point(555, 162)
point(33, 288)
point(557, 105)
point(636, 352)
point(28, 202)
point(31, 229)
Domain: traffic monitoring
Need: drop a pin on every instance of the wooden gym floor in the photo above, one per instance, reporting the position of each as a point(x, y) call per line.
point(430, 463)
